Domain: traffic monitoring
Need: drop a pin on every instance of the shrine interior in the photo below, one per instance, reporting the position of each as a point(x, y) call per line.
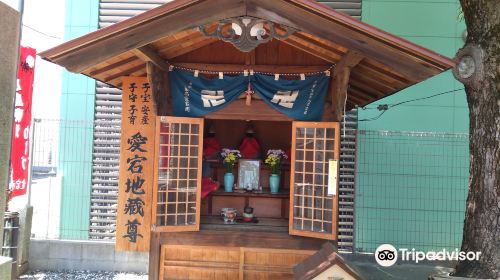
point(270, 211)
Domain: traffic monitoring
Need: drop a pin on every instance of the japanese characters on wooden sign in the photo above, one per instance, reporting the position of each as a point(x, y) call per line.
point(135, 188)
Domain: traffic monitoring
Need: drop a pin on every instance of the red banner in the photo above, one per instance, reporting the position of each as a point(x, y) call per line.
point(20, 154)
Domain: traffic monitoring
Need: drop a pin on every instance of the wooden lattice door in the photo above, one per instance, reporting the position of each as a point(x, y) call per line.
point(177, 196)
point(313, 184)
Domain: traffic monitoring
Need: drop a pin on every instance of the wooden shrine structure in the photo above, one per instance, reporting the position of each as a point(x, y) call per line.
point(160, 209)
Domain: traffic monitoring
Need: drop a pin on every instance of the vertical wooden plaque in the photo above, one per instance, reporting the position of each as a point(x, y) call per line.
point(137, 146)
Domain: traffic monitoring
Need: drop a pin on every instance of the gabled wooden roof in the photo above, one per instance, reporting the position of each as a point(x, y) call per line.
point(325, 37)
point(322, 261)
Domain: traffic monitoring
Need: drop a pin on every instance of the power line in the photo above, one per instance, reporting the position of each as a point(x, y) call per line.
point(427, 97)
point(40, 32)
point(374, 118)
point(384, 107)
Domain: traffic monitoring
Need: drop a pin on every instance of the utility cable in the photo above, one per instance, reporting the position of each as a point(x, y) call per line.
point(384, 107)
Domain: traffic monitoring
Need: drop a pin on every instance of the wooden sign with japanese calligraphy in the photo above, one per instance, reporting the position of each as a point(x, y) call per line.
point(133, 223)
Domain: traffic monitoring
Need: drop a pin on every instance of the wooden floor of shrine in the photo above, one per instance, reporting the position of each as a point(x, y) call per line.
point(260, 224)
point(262, 250)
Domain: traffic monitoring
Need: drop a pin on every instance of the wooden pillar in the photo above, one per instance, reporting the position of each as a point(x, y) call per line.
point(157, 71)
point(160, 84)
point(340, 81)
point(154, 256)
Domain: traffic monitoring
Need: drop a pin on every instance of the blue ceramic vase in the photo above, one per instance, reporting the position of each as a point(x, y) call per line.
point(228, 182)
point(274, 183)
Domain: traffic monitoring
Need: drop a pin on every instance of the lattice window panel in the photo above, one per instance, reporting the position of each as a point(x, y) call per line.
point(314, 210)
point(179, 151)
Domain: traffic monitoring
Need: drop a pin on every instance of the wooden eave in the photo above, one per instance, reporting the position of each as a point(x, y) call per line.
point(168, 34)
point(321, 261)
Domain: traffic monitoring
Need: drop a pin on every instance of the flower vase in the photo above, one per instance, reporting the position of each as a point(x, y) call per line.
point(274, 183)
point(228, 182)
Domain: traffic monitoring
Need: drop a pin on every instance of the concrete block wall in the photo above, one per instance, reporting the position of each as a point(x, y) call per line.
point(9, 48)
point(23, 247)
point(84, 255)
point(5, 267)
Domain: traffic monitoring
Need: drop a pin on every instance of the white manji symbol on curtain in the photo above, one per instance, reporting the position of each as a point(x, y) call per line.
point(212, 98)
point(285, 98)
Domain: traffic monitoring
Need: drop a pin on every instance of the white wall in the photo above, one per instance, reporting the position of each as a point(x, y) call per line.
point(43, 28)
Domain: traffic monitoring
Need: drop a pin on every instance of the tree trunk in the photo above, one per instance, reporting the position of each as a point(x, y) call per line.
point(482, 217)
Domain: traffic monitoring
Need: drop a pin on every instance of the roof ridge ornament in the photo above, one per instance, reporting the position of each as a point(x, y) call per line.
point(246, 33)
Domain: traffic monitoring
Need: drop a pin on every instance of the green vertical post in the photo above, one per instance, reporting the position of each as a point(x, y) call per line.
point(76, 129)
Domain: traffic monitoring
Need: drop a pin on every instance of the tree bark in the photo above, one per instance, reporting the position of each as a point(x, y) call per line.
point(482, 217)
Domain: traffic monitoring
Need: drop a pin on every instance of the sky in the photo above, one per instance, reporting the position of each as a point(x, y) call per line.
point(43, 28)
point(13, 3)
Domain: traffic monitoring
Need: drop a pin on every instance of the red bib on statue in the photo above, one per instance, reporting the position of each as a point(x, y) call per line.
point(210, 147)
point(250, 148)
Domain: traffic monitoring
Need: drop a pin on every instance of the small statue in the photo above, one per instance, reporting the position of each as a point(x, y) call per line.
point(250, 147)
point(211, 146)
point(211, 149)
